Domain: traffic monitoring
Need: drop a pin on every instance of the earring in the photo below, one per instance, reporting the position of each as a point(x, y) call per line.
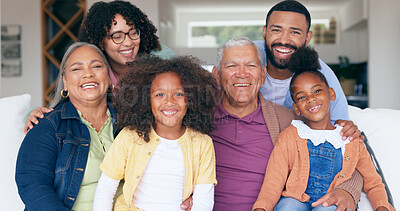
point(63, 95)
point(111, 87)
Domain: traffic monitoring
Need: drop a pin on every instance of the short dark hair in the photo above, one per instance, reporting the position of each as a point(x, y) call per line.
point(99, 19)
point(305, 60)
point(290, 6)
point(133, 100)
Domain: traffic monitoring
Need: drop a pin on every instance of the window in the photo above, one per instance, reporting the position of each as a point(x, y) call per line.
point(61, 20)
point(206, 34)
point(214, 33)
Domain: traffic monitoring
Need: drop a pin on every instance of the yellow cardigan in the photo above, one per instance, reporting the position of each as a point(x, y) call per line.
point(288, 170)
point(129, 154)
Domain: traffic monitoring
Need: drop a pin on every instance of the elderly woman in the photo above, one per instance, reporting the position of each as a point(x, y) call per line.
point(58, 161)
point(123, 32)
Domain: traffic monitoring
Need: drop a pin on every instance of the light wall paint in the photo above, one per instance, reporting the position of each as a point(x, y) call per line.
point(0, 56)
point(380, 39)
point(348, 41)
point(167, 27)
point(149, 7)
point(384, 54)
point(26, 14)
point(353, 13)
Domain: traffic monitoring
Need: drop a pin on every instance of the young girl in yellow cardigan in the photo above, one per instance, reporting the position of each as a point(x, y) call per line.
point(309, 158)
point(163, 153)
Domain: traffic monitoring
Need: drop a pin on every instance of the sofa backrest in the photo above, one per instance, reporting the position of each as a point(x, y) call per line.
point(381, 127)
point(12, 113)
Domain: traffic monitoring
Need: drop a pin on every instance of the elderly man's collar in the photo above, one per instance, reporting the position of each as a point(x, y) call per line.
point(221, 111)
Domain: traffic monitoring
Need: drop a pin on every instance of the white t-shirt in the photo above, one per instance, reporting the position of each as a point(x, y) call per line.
point(275, 90)
point(162, 183)
point(161, 186)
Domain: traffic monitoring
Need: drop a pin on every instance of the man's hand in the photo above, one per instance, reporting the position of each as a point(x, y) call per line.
point(349, 130)
point(187, 204)
point(341, 198)
point(33, 117)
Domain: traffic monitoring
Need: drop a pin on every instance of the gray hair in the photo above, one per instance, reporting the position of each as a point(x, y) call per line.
point(60, 84)
point(237, 42)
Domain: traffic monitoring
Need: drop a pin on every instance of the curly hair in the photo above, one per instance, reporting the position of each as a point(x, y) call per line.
point(133, 100)
point(305, 60)
point(96, 25)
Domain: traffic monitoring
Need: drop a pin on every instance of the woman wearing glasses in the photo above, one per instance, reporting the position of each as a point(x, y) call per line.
point(123, 32)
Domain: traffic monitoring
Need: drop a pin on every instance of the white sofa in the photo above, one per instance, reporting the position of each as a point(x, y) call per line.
point(379, 125)
point(12, 114)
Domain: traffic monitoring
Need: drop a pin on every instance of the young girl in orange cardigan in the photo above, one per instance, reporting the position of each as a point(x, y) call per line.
point(309, 158)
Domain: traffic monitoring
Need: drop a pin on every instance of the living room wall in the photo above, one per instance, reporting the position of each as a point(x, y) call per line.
point(384, 54)
point(27, 15)
point(381, 48)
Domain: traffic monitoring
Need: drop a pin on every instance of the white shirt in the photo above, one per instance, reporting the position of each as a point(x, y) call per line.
point(161, 186)
point(162, 183)
point(275, 90)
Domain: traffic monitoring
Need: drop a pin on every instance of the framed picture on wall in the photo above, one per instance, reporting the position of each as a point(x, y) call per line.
point(11, 51)
point(10, 68)
point(10, 33)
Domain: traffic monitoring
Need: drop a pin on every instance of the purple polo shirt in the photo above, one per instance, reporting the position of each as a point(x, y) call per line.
point(242, 149)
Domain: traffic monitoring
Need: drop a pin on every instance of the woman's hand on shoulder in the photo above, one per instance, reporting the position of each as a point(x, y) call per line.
point(33, 117)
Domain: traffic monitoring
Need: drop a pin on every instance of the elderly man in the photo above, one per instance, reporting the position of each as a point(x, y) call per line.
point(247, 126)
point(287, 28)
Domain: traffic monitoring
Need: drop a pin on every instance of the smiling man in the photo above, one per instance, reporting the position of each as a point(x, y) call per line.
point(287, 28)
point(246, 128)
point(242, 139)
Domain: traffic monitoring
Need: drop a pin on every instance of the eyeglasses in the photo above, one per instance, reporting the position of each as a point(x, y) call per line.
point(119, 37)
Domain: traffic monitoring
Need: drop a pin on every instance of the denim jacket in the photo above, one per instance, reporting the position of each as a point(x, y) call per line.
point(52, 159)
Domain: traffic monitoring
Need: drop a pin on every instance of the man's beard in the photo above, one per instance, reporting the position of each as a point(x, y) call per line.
point(277, 62)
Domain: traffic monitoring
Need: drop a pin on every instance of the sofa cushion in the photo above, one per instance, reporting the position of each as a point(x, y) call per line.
point(12, 113)
point(380, 126)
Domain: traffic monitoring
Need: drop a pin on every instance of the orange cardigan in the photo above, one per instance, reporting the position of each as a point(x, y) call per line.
point(288, 170)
